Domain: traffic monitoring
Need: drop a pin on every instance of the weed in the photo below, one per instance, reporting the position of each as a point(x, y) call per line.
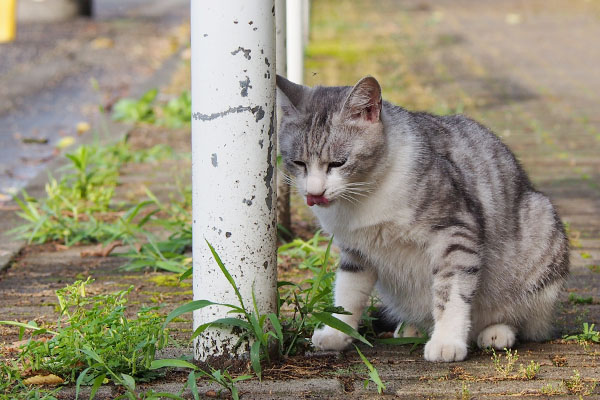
point(594, 268)
point(93, 338)
point(529, 371)
point(505, 368)
point(576, 299)
point(373, 374)
point(283, 333)
point(466, 393)
point(222, 378)
point(576, 385)
point(141, 110)
point(585, 255)
point(13, 388)
point(550, 390)
point(176, 113)
point(77, 206)
point(588, 334)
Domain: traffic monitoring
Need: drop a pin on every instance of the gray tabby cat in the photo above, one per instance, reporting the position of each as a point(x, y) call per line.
point(435, 212)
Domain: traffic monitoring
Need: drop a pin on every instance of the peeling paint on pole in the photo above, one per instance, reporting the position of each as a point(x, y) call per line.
point(233, 161)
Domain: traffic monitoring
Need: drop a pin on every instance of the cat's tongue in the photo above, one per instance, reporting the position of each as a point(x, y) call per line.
point(318, 200)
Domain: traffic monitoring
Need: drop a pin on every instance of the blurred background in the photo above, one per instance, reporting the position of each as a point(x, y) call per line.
point(62, 67)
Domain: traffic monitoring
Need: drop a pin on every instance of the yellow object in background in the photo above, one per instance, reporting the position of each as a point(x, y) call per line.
point(8, 20)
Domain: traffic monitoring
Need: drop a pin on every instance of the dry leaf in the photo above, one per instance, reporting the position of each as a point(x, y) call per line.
point(65, 142)
point(45, 380)
point(100, 251)
point(513, 19)
point(102, 43)
point(82, 127)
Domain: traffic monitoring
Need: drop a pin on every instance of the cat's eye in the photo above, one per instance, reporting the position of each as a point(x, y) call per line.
point(301, 164)
point(336, 164)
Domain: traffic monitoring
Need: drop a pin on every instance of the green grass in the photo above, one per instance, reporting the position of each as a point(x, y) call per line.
point(93, 340)
point(174, 114)
point(577, 299)
point(588, 334)
point(77, 207)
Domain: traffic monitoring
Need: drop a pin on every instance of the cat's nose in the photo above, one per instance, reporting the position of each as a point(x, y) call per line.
point(315, 185)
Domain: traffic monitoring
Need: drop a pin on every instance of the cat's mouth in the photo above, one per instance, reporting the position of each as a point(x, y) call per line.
point(312, 200)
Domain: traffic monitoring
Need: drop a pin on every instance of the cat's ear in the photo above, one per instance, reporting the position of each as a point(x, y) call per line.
point(364, 101)
point(289, 95)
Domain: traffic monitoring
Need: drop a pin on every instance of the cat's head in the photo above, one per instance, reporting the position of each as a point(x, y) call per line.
point(331, 138)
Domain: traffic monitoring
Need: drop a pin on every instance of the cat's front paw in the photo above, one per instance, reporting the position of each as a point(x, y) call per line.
point(328, 338)
point(447, 350)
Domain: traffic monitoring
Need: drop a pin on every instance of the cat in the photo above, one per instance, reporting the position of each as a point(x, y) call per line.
point(433, 211)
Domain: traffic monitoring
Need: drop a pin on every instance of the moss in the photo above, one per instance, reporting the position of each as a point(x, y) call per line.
point(168, 280)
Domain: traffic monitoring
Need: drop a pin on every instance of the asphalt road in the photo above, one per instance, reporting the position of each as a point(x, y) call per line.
point(46, 75)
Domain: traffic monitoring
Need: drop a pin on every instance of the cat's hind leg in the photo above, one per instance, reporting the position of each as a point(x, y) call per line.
point(404, 330)
point(497, 336)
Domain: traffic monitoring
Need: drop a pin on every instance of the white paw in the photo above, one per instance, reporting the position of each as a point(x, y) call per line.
point(408, 331)
point(498, 336)
point(328, 338)
point(447, 350)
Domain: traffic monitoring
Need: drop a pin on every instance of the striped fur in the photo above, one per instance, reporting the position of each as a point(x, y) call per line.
point(434, 211)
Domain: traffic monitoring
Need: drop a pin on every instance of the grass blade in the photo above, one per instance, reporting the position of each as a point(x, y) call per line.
point(340, 325)
point(223, 322)
point(172, 362)
point(227, 275)
point(27, 326)
point(194, 305)
point(255, 359)
point(373, 374)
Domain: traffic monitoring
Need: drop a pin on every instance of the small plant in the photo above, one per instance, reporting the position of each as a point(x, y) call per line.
point(141, 110)
point(589, 334)
point(254, 327)
point(576, 299)
point(12, 386)
point(576, 385)
point(223, 378)
point(594, 268)
point(466, 393)
point(373, 374)
point(529, 371)
point(77, 206)
point(176, 113)
point(93, 338)
point(550, 390)
point(506, 368)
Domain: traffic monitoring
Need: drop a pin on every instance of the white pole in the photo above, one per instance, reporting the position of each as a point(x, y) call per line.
point(233, 161)
point(305, 22)
point(284, 217)
point(295, 46)
point(280, 37)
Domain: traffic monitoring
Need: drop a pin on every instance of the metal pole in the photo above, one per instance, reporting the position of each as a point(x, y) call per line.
point(284, 217)
point(295, 46)
point(305, 22)
point(233, 161)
